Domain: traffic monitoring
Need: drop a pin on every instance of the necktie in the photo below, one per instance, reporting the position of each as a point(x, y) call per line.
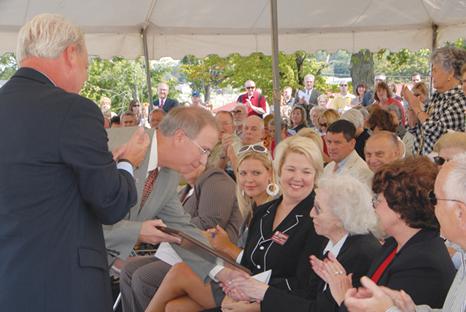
point(148, 186)
point(162, 102)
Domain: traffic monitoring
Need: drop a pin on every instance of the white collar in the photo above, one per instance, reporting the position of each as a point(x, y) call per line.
point(335, 249)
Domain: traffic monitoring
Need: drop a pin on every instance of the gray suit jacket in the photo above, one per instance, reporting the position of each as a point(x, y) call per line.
point(163, 203)
point(214, 202)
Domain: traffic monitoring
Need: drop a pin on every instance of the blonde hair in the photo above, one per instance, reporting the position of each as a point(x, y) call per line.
point(451, 139)
point(245, 203)
point(330, 116)
point(47, 35)
point(299, 145)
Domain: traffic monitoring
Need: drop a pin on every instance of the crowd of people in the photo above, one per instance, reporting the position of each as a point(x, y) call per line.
point(361, 206)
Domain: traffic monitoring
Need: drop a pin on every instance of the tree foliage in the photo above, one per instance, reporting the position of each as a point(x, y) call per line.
point(401, 65)
point(203, 74)
point(7, 66)
point(123, 80)
point(362, 68)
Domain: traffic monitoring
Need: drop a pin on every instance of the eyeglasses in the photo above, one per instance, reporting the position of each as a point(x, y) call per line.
point(434, 200)
point(249, 88)
point(255, 148)
point(204, 151)
point(439, 160)
point(317, 208)
point(343, 85)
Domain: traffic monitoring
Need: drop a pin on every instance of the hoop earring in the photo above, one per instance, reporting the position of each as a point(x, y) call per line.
point(272, 189)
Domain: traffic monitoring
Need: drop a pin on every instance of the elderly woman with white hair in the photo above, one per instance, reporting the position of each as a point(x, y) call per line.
point(343, 213)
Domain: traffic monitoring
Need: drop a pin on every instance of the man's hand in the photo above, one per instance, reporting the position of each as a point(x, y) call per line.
point(151, 235)
point(135, 149)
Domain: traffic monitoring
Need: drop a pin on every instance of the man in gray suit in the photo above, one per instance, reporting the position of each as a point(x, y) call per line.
point(184, 140)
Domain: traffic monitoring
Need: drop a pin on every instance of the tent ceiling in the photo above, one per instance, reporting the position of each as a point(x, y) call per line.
point(201, 27)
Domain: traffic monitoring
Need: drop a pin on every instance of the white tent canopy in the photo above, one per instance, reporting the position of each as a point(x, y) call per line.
point(201, 27)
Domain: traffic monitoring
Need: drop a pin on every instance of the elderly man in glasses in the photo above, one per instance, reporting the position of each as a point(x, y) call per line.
point(253, 101)
point(253, 134)
point(450, 210)
point(342, 100)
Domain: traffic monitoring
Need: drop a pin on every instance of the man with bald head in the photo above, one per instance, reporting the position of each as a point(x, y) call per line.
point(253, 100)
point(253, 133)
point(382, 148)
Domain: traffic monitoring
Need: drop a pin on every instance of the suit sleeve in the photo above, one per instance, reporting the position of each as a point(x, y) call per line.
point(109, 192)
point(174, 216)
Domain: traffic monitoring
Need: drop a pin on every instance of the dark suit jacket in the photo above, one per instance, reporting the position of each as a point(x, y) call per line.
point(312, 102)
point(355, 255)
point(58, 184)
point(168, 105)
point(262, 253)
point(422, 268)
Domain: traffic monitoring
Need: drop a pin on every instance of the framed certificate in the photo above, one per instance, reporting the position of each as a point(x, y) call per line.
point(204, 251)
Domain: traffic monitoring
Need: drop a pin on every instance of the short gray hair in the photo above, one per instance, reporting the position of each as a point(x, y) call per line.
point(355, 117)
point(189, 119)
point(309, 77)
point(351, 202)
point(455, 182)
point(450, 58)
point(47, 35)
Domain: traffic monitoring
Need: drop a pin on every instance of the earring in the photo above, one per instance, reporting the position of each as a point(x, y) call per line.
point(242, 193)
point(272, 189)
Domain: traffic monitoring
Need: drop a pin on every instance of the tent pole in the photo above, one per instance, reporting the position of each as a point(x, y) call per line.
point(275, 70)
point(146, 60)
point(434, 46)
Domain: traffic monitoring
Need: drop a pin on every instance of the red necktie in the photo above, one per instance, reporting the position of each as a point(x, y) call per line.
point(162, 101)
point(148, 186)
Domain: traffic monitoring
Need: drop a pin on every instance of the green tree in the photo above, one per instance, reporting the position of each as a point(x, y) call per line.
point(122, 80)
point(8, 66)
point(362, 68)
point(204, 74)
point(400, 66)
